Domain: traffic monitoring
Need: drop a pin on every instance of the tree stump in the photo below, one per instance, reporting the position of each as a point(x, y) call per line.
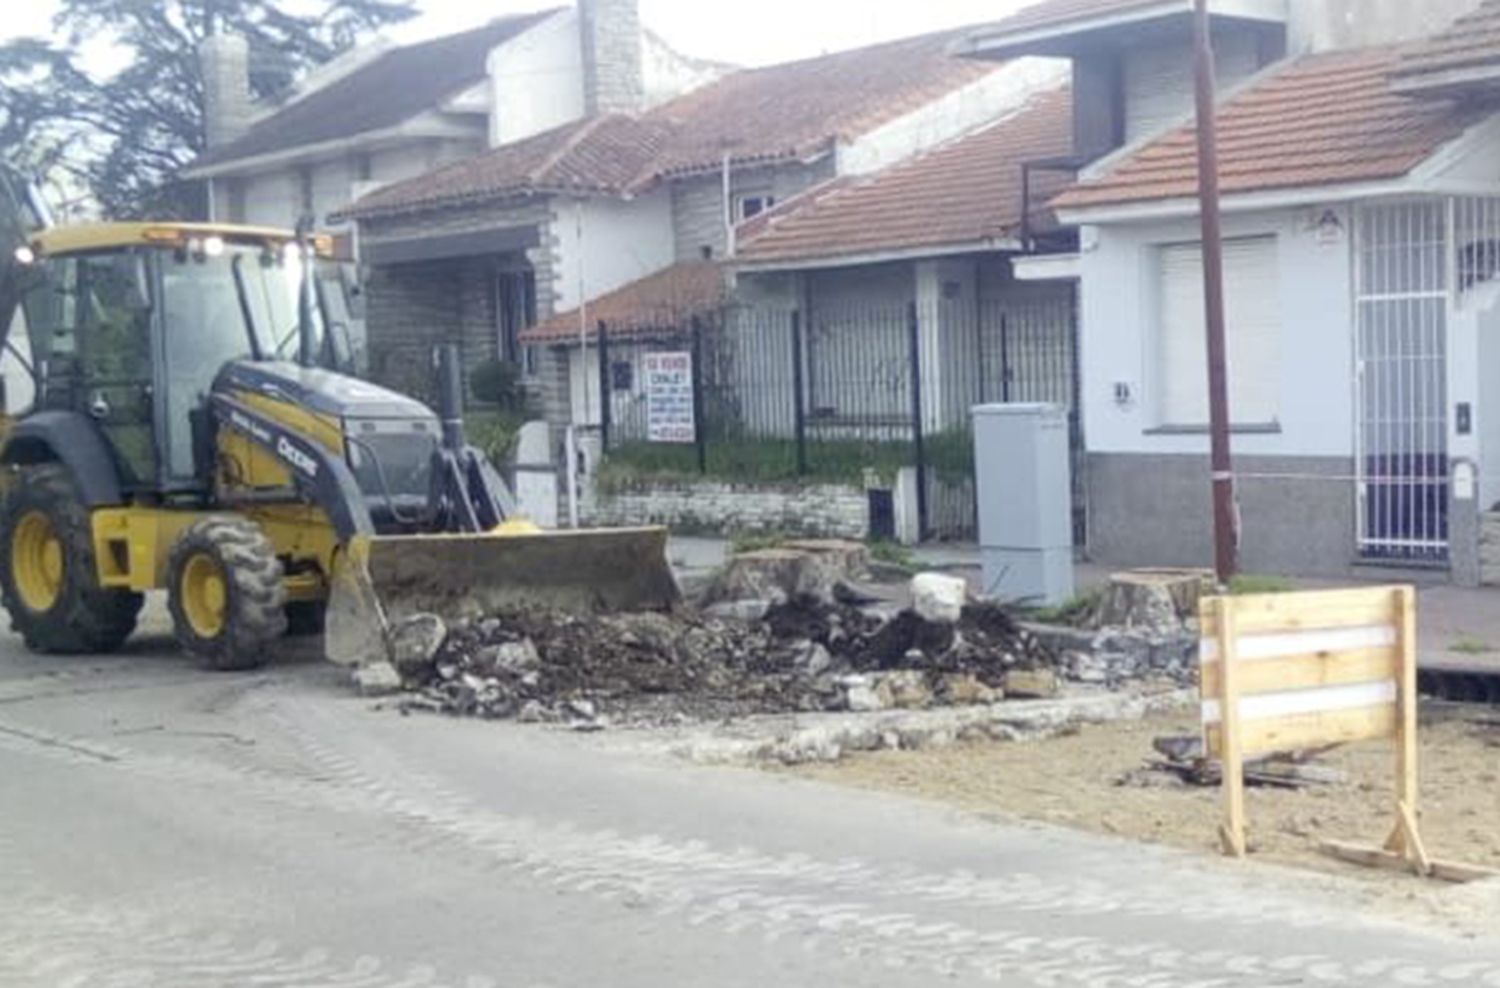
point(797, 569)
point(1154, 600)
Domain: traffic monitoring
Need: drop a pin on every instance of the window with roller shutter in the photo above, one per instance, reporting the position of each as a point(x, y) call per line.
point(1253, 327)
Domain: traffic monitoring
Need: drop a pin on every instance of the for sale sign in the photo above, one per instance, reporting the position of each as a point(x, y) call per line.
point(668, 379)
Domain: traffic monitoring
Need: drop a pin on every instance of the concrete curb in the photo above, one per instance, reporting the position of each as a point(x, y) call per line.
point(826, 737)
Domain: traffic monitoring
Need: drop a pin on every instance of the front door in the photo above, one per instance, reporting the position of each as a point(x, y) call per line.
point(1401, 343)
point(89, 318)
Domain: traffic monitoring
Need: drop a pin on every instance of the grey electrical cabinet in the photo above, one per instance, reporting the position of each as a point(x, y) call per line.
point(1025, 490)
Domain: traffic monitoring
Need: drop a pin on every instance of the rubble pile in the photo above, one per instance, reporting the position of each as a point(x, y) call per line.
point(803, 655)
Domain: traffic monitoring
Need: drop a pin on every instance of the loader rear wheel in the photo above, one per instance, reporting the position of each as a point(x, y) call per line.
point(49, 579)
point(226, 594)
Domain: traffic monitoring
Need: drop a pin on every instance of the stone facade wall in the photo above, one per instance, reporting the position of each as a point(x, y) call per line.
point(613, 68)
point(828, 511)
point(698, 203)
point(225, 62)
point(414, 306)
point(1489, 549)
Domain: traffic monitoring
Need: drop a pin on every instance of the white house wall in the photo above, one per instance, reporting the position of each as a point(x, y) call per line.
point(668, 73)
point(1158, 80)
point(950, 116)
point(616, 243)
point(1477, 323)
point(332, 187)
point(1119, 266)
point(536, 80)
point(273, 199)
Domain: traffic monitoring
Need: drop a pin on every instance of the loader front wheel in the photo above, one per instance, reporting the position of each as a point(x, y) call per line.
point(226, 594)
point(48, 575)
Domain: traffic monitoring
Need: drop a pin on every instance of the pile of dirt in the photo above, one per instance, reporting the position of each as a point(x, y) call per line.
point(804, 655)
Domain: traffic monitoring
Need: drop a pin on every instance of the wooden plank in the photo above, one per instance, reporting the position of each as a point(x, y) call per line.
point(1308, 671)
point(1306, 611)
point(1309, 730)
point(1232, 833)
point(1407, 787)
point(1374, 857)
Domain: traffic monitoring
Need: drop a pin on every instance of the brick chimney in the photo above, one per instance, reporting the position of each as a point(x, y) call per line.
point(224, 60)
point(613, 75)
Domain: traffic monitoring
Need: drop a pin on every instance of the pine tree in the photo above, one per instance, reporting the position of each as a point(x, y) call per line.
point(120, 137)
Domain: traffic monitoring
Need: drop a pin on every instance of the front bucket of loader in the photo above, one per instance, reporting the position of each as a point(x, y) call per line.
point(383, 580)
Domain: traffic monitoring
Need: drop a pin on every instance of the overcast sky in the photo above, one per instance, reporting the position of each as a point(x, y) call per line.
point(747, 32)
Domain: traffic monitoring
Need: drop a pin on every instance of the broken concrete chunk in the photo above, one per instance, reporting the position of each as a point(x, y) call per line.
point(862, 694)
point(377, 679)
point(739, 610)
point(908, 689)
point(532, 712)
point(939, 599)
point(415, 642)
point(966, 690)
point(1031, 684)
point(512, 657)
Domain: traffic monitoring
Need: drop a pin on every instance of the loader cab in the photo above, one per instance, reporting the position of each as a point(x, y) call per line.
point(130, 325)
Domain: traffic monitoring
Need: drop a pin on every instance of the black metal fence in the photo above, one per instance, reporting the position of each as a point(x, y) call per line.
point(845, 393)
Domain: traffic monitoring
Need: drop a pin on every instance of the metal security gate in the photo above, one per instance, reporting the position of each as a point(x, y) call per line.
point(1403, 286)
point(1028, 352)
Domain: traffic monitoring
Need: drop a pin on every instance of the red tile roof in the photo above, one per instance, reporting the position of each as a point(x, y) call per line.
point(1319, 120)
point(601, 154)
point(760, 116)
point(1472, 43)
point(966, 193)
point(666, 300)
point(800, 108)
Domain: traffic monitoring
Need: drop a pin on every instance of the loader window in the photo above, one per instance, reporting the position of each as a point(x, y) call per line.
point(204, 330)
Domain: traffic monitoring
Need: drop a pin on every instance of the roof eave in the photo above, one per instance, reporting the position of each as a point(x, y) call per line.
point(486, 197)
point(1181, 207)
point(426, 125)
point(876, 256)
point(1059, 38)
point(1451, 83)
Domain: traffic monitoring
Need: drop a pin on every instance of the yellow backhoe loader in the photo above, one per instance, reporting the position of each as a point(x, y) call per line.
point(188, 433)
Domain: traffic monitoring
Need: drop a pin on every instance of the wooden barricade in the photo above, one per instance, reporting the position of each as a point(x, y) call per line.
point(1286, 672)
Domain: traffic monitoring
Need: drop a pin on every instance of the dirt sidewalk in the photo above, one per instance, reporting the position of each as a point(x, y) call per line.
point(1088, 781)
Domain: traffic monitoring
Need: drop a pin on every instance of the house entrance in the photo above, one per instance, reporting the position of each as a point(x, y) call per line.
point(1402, 288)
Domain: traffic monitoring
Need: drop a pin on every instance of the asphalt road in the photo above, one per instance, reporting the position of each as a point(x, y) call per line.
point(162, 826)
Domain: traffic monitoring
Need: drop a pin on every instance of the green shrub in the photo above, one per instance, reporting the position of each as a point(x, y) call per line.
point(494, 433)
point(1246, 585)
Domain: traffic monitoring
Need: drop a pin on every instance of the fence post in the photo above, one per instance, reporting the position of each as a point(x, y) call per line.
point(979, 356)
point(606, 389)
point(1005, 358)
point(919, 445)
point(700, 428)
point(799, 398)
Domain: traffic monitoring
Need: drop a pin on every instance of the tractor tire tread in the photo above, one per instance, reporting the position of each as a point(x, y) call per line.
point(88, 618)
point(256, 614)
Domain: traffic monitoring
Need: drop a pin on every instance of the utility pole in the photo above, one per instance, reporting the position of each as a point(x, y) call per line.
point(1226, 536)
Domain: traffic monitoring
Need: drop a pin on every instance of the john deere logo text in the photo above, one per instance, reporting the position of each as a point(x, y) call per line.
point(301, 461)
